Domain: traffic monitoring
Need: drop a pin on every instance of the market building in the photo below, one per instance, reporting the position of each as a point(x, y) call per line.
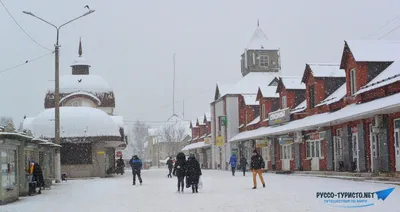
point(90, 132)
point(350, 118)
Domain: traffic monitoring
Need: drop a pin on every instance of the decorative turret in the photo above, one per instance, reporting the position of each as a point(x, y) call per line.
point(261, 54)
point(80, 66)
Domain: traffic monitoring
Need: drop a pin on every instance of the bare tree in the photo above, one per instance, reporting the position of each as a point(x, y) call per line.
point(140, 132)
point(4, 120)
point(171, 136)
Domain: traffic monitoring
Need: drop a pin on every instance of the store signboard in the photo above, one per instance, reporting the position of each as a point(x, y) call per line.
point(285, 140)
point(262, 143)
point(219, 141)
point(279, 116)
point(207, 140)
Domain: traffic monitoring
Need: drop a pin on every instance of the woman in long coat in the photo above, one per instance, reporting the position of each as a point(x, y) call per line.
point(180, 170)
point(193, 173)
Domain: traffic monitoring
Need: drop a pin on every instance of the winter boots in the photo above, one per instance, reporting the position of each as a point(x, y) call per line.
point(195, 189)
point(256, 187)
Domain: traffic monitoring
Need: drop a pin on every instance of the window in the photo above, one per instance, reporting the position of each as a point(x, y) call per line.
point(284, 102)
point(264, 60)
point(353, 80)
point(77, 103)
point(73, 153)
point(245, 118)
point(339, 143)
point(313, 149)
point(286, 152)
point(263, 112)
point(311, 94)
point(9, 168)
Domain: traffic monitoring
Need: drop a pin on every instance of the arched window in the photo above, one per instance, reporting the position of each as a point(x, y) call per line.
point(77, 103)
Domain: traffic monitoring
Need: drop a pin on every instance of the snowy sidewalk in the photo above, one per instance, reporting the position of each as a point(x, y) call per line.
point(222, 192)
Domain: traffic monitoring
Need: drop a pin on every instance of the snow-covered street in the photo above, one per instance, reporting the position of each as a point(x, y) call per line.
point(221, 192)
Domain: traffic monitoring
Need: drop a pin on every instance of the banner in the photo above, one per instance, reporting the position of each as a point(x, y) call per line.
point(262, 143)
point(207, 140)
point(219, 141)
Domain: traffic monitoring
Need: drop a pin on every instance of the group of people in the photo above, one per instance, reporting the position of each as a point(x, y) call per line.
point(186, 168)
point(257, 166)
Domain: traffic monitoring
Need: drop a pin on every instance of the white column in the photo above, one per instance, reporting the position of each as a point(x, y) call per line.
point(57, 159)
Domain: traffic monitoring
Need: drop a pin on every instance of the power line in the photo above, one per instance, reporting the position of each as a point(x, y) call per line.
point(387, 23)
point(26, 62)
point(26, 33)
point(390, 32)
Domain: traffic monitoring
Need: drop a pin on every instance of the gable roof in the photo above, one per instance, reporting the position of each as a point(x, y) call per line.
point(390, 75)
point(290, 83)
point(250, 99)
point(335, 96)
point(299, 108)
point(267, 92)
point(246, 85)
point(323, 70)
point(259, 41)
point(371, 51)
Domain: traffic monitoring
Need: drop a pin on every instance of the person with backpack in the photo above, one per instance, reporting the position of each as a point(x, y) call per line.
point(180, 170)
point(170, 164)
point(193, 173)
point(257, 166)
point(233, 162)
point(136, 165)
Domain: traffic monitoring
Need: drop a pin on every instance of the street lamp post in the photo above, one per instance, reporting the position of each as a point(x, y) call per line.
point(57, 89)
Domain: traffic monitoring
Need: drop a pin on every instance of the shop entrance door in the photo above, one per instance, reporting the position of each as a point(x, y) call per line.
point(355, 151)
point(397, 147)
point(286, 153)
point(373, 139)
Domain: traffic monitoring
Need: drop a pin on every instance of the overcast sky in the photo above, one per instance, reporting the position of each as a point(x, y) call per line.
point(131, 43)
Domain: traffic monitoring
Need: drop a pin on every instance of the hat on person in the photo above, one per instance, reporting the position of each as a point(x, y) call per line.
point(255, 151)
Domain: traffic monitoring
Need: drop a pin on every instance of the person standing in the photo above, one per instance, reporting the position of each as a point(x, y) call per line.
point(120, 166)
point(233, 162)
point(257, 167)
point(193, 173)
point(180, 170)
point(170, 164)
point(136, 165)
point(243, 164)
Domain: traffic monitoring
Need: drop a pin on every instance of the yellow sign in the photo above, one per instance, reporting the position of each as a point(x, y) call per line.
point(219, 141)
point(100, 153)
point(207, 140)
point(262, 143)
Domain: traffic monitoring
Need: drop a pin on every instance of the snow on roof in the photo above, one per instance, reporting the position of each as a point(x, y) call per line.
point(80, 61)
point(250, 99)
point(85, 83)
point(301, 107)
point(255, 121)
point(326, 70)
point(390, 75)
point(269, 92)
point(152, 132)
point(351, 112)
point(335, 96)
point(119, 121)
point(259, 41)
point(374, 50)
point(196, 145)
point(75, 122)
point(293, 82)
point(81, 93)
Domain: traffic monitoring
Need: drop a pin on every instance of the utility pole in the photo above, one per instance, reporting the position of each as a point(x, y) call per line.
point(57, 139)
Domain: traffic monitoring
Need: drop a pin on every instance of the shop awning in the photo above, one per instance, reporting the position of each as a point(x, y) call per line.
point(196, 145)
point(386, 105)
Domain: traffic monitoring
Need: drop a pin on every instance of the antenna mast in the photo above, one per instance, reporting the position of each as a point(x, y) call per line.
point(173, 90)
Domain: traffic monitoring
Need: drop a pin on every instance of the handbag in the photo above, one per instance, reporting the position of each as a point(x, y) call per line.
point(200, 183)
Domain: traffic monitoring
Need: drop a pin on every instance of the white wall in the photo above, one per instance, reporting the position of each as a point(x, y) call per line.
point(85, 102)
point(232, 110)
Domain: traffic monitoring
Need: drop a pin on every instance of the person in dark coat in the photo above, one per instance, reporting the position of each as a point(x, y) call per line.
point(257, 167)
point(193, 173)
point(37, 175)
point(243, 164)
point(136, 165)
point(180, 170)
point(170, 164)
point(120, 165)
point(233, 162)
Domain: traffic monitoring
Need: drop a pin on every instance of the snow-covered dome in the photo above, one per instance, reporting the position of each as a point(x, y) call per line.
point(80, 61)
point(75, 122)
point(85, 83)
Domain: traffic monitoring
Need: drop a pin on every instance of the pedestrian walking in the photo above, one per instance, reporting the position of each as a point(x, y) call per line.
point(170, 164)
point(257, 166)
point(180, 170)
point(193, 173)
point(136, 165)
point(243, 164)
point(233, 162)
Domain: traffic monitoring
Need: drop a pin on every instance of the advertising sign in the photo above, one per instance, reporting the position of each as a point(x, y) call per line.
point(219, 141)
point(285, 140)
point(207, 140)
point(262, 143)
point(279, 117)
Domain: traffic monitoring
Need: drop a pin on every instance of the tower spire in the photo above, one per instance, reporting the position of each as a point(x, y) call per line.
point(80, 47)
point(258, 22)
